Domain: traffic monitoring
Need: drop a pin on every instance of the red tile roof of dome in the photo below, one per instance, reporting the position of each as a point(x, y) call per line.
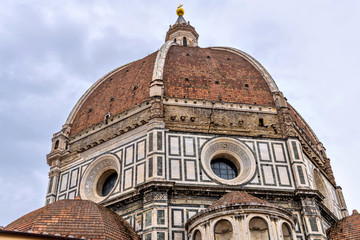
point(120, 90)
point(77, 218)
point(347, 228)
point(234, 198)
point(212, 74)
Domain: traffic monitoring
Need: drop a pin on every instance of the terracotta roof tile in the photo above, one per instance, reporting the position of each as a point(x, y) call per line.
point(212, 74)
point(79, 218)
point(237, 197)
point(347, 228)
point(118, 92)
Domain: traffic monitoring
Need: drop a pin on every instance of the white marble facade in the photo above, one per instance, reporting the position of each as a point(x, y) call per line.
point(156, 154)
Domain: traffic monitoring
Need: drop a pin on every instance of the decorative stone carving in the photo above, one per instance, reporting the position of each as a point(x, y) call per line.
point(89, 186)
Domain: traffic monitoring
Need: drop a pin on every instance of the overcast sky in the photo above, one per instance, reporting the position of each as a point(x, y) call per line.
point(51, 52)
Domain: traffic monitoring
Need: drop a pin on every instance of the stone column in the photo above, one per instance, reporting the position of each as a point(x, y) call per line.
point(52, 186)
point(207, 232)
point(274, 228)
point(312, 222)
point(343, 207)
point(239, 227)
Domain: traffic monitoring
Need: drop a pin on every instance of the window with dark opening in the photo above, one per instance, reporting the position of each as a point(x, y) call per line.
point(56, 144)
point(261, 122)
point(184, 41)
point(224, 168)
point(109, 184)
point(107, 117)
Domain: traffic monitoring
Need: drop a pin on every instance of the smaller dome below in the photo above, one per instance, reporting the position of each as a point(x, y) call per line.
point(234, 198)
point(347, 228)
point(76, 218)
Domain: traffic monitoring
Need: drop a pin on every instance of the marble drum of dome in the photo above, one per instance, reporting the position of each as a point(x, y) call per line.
point(228, 161)
point(100, 179)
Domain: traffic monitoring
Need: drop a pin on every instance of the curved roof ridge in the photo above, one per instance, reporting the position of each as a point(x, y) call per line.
point(160, 60)
point(268, 78)
point(116, 92)
point(27, 219)
point(346, 228)
point(305, 123)
point(236, 197)
point(82, 99)
point(81, 217)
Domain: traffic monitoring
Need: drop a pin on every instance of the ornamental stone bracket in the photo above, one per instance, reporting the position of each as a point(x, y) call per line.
point(286, 122)
point(157, 108)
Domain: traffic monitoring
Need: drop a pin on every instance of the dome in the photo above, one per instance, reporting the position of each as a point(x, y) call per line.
point(116, 92)
point(76, 218)
point(231, 209)
point(212, 74)
point(346, 228)
point(236, 198)
point(181, 138)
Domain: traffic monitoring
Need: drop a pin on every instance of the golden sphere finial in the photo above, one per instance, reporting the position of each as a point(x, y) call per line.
point(180, 11)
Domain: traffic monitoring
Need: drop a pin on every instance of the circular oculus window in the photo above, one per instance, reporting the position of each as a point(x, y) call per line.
point(100, 179)
point(106, 182)
point(228, 161)
point(224, 168)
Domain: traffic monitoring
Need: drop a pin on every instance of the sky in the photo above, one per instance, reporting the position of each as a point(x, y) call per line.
point(51, 52)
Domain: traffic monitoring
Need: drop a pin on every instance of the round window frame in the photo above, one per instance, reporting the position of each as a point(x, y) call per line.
point(100, 181)
point(233, 150)
point(94, 174)
point(226, 156)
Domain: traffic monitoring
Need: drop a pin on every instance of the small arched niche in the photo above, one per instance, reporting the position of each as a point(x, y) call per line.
point(286, 231)
point(258, 229)
point(197, 235)
point(56, 145)
point(223, 230)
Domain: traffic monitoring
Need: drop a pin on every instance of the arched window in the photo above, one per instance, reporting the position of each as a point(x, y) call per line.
point(258, 229)
point(223, 230)
point(286, 232)
point(56, 144)
point(184, 41)
point(197, 235)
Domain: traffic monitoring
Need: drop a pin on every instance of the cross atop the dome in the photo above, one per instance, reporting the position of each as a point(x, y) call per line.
point(182, 32)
